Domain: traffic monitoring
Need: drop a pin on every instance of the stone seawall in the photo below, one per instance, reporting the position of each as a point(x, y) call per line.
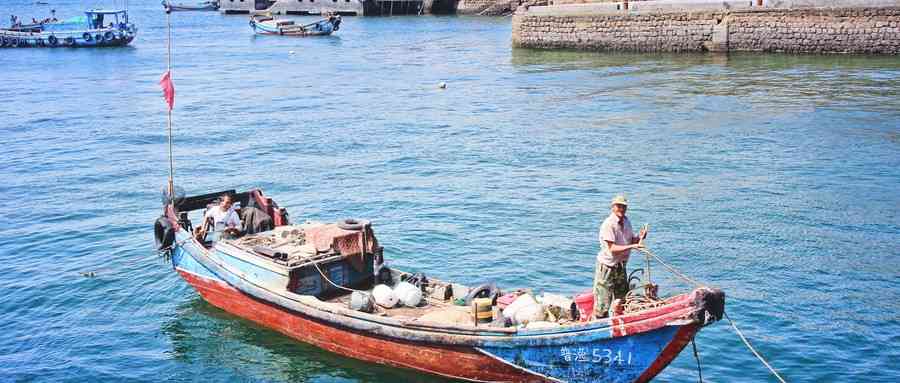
point(873, 30)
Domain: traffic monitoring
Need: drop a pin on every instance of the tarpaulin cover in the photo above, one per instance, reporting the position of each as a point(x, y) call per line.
point(346, 242)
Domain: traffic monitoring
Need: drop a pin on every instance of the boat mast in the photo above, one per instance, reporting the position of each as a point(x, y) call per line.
point(169, 69)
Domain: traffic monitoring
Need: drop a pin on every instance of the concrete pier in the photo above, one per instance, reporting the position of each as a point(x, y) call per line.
point(796, 26)
point(316, 7)
point(293, 7)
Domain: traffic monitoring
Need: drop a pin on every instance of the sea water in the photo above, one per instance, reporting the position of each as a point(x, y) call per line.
point(773, 177)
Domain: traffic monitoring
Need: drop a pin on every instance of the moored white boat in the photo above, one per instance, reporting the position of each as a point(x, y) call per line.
point(209, 5)
point(269, 25)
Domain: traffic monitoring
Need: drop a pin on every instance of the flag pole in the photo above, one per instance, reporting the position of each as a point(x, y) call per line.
point(169, 71)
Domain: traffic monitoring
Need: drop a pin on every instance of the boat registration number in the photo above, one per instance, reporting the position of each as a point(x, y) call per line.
point(596, 355)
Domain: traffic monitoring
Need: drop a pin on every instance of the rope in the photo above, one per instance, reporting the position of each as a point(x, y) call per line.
point(698, 284)
point(672, 269)
point(758, 356)
point(316, 264)
point(697, 356)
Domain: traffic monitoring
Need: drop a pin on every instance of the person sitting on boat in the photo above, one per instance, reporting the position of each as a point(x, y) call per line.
point(616, 240)
point(222, 218)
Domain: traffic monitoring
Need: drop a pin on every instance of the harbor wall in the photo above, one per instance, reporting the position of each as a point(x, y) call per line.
point(870, 27)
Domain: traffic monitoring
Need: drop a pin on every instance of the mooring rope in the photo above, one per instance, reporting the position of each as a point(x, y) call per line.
point(697, 356)
point(740, 334)
point(758, 356)
point(670, 268)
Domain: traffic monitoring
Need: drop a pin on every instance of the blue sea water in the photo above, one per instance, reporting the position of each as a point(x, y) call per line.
point(773, 177)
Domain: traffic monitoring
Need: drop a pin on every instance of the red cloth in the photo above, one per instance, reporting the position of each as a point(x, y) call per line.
point(168, 89)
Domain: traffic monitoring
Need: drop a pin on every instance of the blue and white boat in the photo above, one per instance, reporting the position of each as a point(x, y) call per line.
point(97, 28)
point(297, 278)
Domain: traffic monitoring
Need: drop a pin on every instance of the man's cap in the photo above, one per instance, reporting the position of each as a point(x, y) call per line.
point(619, 200)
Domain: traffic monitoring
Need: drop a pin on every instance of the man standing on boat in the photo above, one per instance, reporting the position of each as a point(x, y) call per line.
point(223, 219)
point(616, 241)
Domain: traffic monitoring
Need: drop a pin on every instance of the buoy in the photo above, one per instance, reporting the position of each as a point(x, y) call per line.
point(384, 296)
point(408, 294)
point(442, 85)
point(482, 310)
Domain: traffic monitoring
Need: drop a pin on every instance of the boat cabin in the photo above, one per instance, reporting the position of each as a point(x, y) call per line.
point(311, 258)
point(99, 18)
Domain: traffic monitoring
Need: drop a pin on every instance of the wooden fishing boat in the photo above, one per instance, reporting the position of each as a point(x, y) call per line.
point(294, 278)
point(210, 5)
point(99, 28)
point(269, 25)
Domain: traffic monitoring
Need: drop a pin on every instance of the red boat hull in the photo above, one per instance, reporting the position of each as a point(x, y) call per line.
point(454, 362)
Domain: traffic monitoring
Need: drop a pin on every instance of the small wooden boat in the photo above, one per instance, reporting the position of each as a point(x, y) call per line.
point(294, 278)
point(99, 28)
point(209, 5)
point(268, 25)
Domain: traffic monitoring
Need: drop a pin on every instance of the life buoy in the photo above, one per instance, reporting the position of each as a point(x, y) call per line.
point(108, 36)
point(99, 38)
point(52, 40)
point(487, 290)
point(70, 41)
point(164, 233)
point(87, 36)
point(352, 224)
point(14, 42)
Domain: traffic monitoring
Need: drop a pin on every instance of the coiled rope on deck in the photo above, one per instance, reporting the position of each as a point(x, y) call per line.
point(733, 325)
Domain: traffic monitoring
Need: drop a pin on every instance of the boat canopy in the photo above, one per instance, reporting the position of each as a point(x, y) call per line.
point(113, 16)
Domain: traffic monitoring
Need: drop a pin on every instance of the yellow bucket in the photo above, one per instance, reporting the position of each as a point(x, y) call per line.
point(483, 310)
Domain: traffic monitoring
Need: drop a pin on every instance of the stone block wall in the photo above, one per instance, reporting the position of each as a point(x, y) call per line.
point(684, 32)
point(872, 30)
point(805, 30)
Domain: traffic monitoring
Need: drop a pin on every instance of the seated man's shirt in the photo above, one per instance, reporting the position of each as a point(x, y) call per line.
point(223, 219)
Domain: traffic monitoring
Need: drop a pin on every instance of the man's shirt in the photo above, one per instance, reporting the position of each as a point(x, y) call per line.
point(611, 230)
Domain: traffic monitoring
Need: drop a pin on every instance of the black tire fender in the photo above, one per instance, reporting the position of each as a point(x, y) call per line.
point(487, 290)
point(108, 36)
point(352, 224)
point(52, 40)
point(164, 233)
point(87, 36)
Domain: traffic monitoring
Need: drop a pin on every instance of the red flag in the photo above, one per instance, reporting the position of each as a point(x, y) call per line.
point(168, 89)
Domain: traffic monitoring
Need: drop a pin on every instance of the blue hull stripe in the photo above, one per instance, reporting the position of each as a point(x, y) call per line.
point(621, 359)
